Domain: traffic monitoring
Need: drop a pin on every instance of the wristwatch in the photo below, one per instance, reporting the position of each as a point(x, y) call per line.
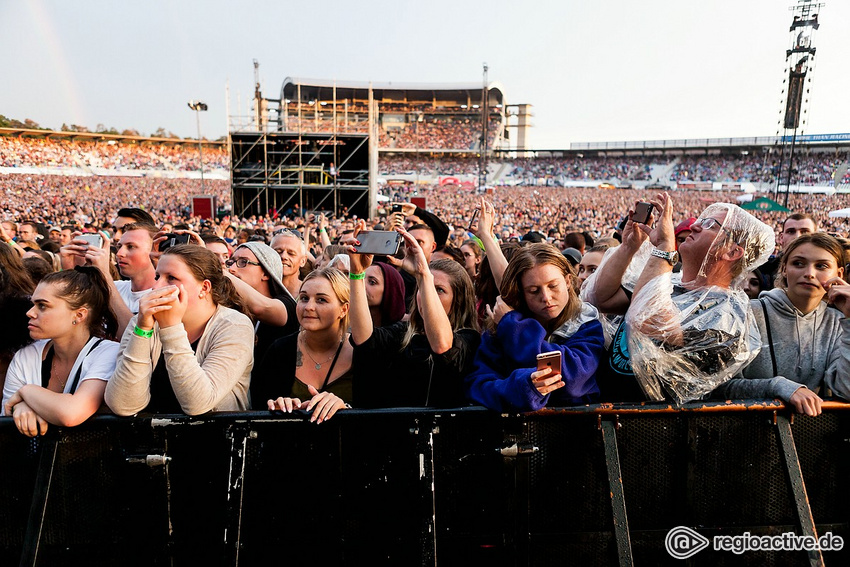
point(671, 257)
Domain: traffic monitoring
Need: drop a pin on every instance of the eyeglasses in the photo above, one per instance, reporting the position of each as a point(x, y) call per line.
point(289, 231)
point(709, 223)
point(241, 262)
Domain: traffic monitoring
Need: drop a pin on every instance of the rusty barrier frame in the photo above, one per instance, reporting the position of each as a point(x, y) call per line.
point(592, 485)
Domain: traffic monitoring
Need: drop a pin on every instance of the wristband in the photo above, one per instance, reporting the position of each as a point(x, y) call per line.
point(353, 276)
point(321, 230)
point(142, 333)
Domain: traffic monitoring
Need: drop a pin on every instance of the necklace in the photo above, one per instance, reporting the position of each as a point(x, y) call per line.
point(318, 364)
point(55, 376)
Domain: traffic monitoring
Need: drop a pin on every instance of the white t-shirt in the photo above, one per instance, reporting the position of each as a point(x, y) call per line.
point(131, 298)
point(25, 367)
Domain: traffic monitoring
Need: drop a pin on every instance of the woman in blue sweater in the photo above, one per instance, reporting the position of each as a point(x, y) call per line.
point(538, 311)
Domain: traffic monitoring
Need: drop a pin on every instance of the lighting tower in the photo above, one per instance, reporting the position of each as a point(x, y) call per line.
point(799, 67)
point(199, 107)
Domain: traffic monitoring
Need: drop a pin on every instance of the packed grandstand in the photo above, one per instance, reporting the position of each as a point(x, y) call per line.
point(73, 181)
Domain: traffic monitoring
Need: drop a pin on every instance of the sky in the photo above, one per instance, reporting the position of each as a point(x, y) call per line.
point(601, 70)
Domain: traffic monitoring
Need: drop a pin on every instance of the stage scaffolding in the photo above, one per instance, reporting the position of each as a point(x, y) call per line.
point(291, 158)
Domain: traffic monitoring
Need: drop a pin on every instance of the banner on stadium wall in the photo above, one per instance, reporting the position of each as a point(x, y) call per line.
point(449, 181)
point(696, 185)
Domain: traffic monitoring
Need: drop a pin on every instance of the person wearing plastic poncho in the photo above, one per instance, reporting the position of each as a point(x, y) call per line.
point(680, 338)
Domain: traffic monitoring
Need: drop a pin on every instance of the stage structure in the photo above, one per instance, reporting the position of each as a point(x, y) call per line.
point(799, 61)
point(317, 145)
point(277, 171)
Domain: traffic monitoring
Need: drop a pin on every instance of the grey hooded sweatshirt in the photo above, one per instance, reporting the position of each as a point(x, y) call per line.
point(811, 349)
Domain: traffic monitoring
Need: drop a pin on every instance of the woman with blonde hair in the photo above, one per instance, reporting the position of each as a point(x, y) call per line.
point(313, 367)
point(538, 312)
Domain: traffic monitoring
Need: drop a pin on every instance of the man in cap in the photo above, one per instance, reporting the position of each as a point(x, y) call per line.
point(255, 270)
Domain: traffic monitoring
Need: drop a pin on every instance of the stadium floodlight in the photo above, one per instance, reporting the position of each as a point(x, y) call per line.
point(199, 107)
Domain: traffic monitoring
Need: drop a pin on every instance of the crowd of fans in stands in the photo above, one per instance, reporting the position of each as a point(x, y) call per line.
point(47, 152)
point(440, 133)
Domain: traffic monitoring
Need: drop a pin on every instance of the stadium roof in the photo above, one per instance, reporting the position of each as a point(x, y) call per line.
point(494, 87)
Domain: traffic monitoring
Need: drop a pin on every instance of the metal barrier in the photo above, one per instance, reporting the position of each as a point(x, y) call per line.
point(594, 485)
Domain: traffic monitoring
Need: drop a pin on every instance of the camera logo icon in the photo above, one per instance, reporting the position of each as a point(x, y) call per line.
point(683, 542)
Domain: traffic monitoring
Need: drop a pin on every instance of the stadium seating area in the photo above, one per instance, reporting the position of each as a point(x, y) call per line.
point(46, 152)
point(810, 169)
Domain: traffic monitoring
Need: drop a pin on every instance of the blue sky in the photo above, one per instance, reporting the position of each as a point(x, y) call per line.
point(594, 71)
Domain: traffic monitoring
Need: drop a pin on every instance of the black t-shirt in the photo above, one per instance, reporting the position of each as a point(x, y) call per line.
point(266, 334)
point(387, 376)
point(163, 399)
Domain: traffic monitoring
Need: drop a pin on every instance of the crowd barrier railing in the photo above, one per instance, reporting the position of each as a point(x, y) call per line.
point(593, 485)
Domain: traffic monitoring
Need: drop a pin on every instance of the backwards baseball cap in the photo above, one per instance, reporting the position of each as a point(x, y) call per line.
point(270, 262)
point(684, 225)
point(572, 255)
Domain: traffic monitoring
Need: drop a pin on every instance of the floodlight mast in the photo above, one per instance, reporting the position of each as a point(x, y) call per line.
point(199, 107)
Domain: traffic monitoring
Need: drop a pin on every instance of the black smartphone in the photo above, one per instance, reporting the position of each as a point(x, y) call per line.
point(643, 212)
point(472, 220)
point(382, 242)
point(173, 240)
point(396, 208)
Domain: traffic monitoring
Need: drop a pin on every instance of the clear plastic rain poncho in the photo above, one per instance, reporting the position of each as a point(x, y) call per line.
point(687, 337)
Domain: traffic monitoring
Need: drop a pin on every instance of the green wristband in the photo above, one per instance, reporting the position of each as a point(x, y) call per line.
point(142, 333)
point(360, 276)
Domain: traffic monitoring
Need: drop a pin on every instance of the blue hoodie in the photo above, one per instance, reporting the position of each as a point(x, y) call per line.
point(501, 379)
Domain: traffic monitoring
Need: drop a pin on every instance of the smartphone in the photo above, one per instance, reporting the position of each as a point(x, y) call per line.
point(551, 360)
point(396, 208)
point(643, 212)
point(472, 220)
point(173, 240)
point(383, 242)
point(93, 239)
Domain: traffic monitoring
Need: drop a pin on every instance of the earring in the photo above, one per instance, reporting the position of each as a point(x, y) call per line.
point(74, 322)
point(201, 295)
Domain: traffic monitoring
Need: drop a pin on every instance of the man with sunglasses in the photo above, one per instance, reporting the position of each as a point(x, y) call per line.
point(682, 334)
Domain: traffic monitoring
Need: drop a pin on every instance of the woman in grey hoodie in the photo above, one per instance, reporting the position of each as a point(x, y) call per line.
point(805, 343)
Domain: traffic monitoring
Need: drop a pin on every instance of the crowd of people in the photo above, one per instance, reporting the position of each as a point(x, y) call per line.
point(448, 133)
point(514, 300)
point(149, 156)
point(443, 165)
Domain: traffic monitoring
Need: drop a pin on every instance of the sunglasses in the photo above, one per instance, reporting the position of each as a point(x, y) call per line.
point(240, 262)
point(289, 231)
